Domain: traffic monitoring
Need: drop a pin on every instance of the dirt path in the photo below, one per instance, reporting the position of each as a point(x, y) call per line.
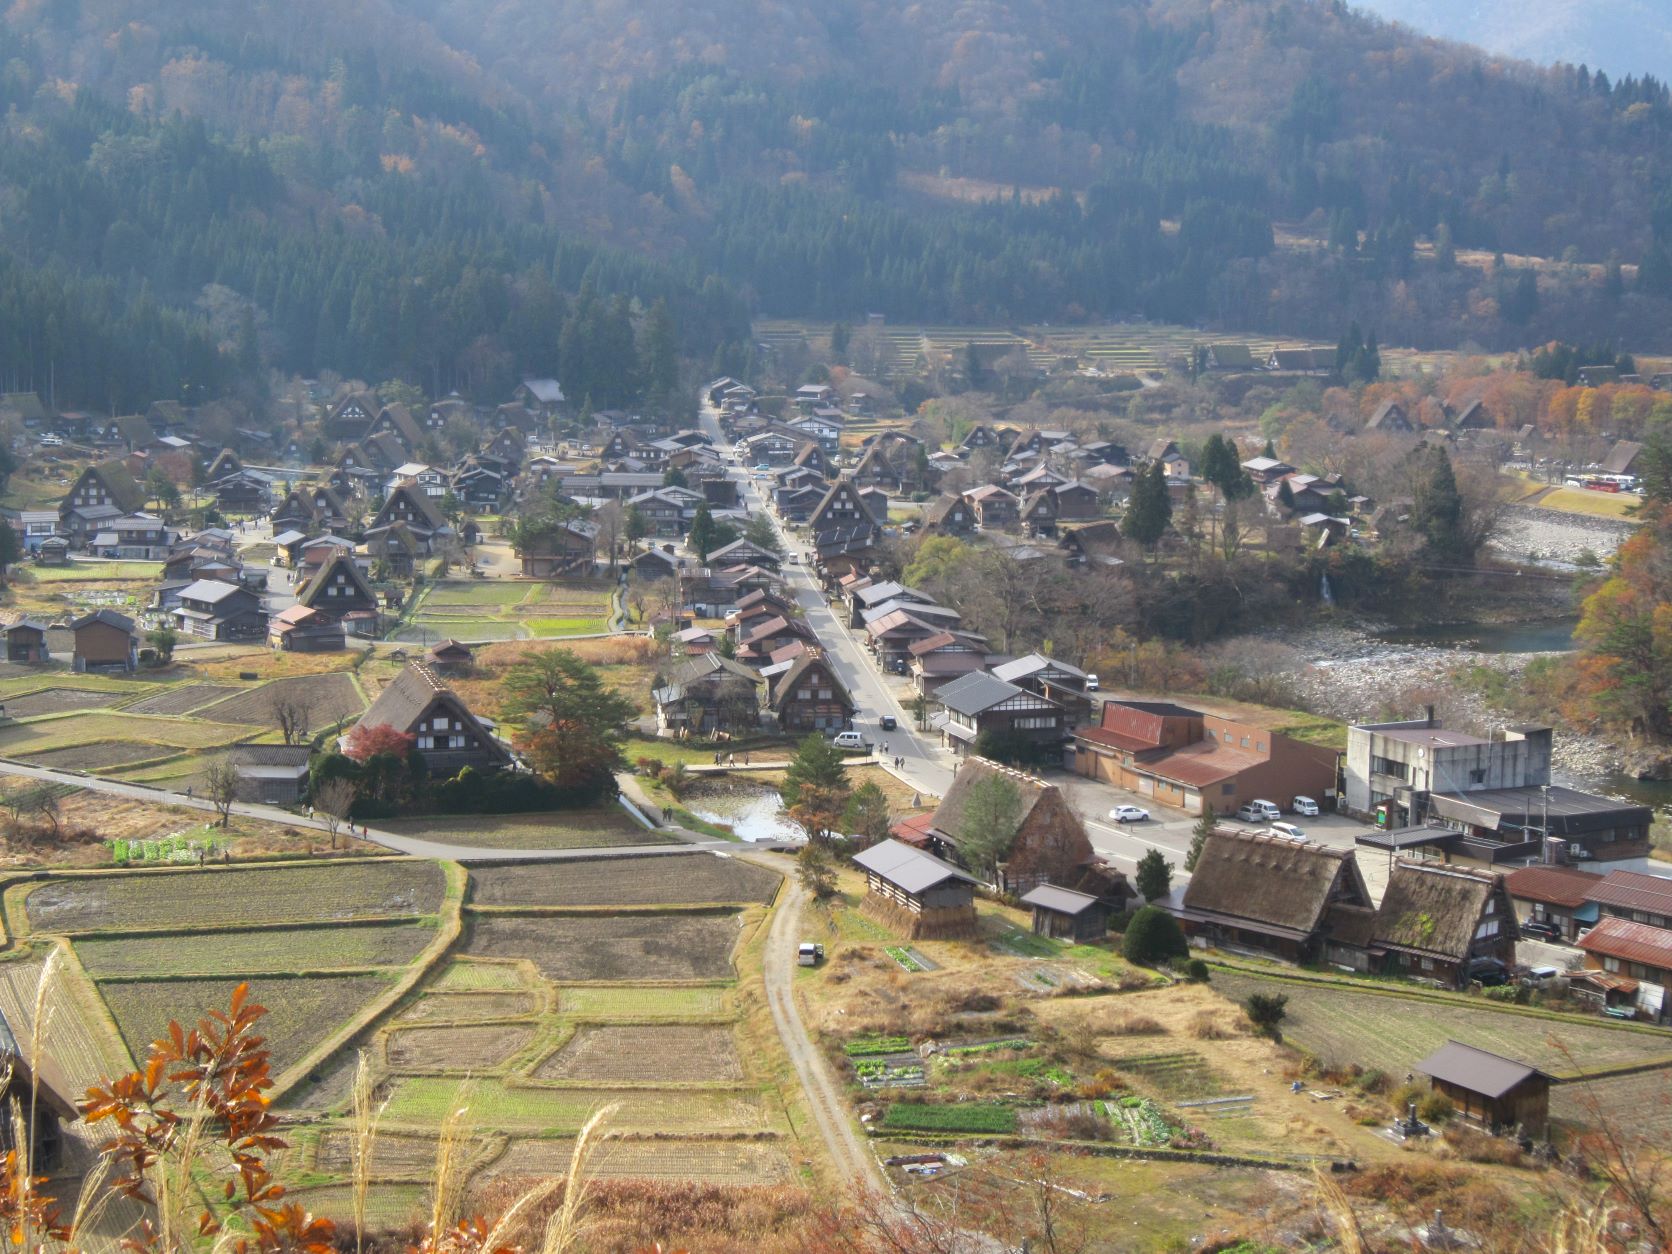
point(852, 1157)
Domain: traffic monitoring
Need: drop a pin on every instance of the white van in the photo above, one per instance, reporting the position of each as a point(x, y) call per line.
point(848, 740)
point(1287, 830)
point(1258, 812)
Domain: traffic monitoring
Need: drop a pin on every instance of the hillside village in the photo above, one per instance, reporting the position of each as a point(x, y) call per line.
point(529, 646)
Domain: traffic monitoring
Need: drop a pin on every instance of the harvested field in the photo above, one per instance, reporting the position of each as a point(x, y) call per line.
point(425, 1101)
point(305, 893)
point(393, 1157)
point(465, 596)
point(676, 1054)
point(467, 1007)
point(78, 1038)
point(387, 1205)
point(666, 879)
point(605, 827)
point(456, 1048)
point(21, 739)
point(96, 756)
point(605, 947)
point(328, 698)
point(267, 951)
point(301, 1012)
point(1339, 1025)
point(59, 701)
point(639, 1001)
point(1640, 1103)
point(180, 698)
point(473, 977)
point(710, 1162)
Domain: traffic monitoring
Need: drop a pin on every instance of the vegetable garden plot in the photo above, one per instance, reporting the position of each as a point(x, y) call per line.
point(612, 947)
point(181, 698)
point(479, 594)
point(614, 1054)
point(276, 894)
point(456, 1048)
point(1181, 1076)
point(394, 1157)
point(663, 879)
point(264, 951)
point(971, 1117)
point(300, 1012)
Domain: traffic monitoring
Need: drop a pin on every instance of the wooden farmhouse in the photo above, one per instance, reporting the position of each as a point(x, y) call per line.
point(1063, 914)
point(1495, 1092)
point(446, 734)
point(916, 893)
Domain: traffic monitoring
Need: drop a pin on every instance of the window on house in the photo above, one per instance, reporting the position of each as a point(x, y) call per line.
point(1488, 928)
point(1478, 776)
point(1387, 766)
point(1245, 742)
point(1639, 916)
point(1611, 964)
point(1227, 790)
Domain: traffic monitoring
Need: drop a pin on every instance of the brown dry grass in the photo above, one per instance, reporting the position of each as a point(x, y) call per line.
point(678, 1053)
point(226, 666)
point(604, 947)
point(627, 664)
point(464, 1007)
point(456, 1048)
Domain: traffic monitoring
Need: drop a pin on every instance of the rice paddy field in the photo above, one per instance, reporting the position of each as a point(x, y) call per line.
point(496, 609)
point(533, 1021)
point(607, 826)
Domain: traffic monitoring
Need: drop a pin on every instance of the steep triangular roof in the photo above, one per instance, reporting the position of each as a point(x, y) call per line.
point(412, 692)
point(1433, 908)
point(1284, 885)
point(314, 596)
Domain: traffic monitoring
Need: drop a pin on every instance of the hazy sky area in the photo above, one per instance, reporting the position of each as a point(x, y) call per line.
point(1619, 36)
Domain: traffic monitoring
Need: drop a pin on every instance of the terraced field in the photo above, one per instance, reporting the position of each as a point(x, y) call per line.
point(711, 1162)
point(612, 947)
point(182, 698)
point(59, 701)
point(22, 739)
point(425, 1101)
point(302, 1012)
point(265, 951)
point(153, 900)
point(453, 1048)
point(641, 1001)
point(1342, 1026)
point(691, 879)
point(605, 827)
point(327, 699)
point(477, 610)
point(620, 1054)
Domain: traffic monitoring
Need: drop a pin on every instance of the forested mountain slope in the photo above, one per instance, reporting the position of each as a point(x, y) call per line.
point(421, 186)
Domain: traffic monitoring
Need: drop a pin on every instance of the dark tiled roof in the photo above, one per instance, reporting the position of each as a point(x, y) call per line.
point(910, 870)
point(1476, 1070)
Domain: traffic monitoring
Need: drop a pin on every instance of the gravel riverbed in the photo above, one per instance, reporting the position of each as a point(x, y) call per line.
point(1552, 537)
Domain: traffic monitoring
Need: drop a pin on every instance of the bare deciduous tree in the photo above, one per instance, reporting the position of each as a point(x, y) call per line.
point(292, 713)
point(220, 785)
point(333, 800)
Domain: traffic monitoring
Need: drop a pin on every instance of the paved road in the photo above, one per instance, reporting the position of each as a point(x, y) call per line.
point(851, 1155)
point(927, 766)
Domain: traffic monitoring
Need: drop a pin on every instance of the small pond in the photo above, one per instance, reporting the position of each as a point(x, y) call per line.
point(754, 811)
point(1549, 635)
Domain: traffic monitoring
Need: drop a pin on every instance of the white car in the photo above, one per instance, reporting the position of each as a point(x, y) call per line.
point(52, 441)
point(1129, 814)
point(1305, 806)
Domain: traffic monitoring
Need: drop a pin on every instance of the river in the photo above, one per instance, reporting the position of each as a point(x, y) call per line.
point(1548, 635)
point(754, 811)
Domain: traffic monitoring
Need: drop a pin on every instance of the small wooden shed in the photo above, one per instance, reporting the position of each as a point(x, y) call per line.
point(1065, 914)
point(917, 893)
point(1490, 1090)
point(26, 642)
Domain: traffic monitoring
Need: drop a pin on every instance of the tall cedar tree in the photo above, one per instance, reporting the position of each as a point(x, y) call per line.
point(992, 815)
point(702, 538)
point(572, 724)
point(1199, 836)
point(1155, 875)
point(1150, 509)
point(818, 764)
point(1437, 507)
point(867, 815)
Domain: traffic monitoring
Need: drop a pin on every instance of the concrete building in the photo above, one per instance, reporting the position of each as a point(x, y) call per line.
point(1392, 768)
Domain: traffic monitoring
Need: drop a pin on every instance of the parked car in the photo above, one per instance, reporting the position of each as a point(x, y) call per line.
point(794, 559)
point(763, 469)
point(1091, 681)
point(1129, 814)
point(1305, 806)
point(1541, 929)
point(1542, 977)
point(888, 722)
point(1488, 972)
point(1287, 830)
point(52, 441)
point(1258, 812)
point(848, 740)
point(809, 954)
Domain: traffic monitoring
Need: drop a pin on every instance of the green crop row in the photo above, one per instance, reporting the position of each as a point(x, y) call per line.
point(963, 1117)
point(869, 1046)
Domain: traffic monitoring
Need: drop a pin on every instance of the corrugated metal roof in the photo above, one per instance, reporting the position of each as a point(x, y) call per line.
point(1632, 890)
point(1554, 885)
point(1475, 1069)
point(976, 692)
point(1632, 942)
point(910, 870)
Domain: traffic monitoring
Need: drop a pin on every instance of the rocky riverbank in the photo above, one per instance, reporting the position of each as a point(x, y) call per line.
point(1551, 537)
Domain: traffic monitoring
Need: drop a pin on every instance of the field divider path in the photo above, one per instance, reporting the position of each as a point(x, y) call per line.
point(852, 1158)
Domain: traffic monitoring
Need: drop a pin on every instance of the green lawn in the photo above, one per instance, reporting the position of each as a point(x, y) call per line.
point(480, 592)
point(101, 571)
point(553, 628)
